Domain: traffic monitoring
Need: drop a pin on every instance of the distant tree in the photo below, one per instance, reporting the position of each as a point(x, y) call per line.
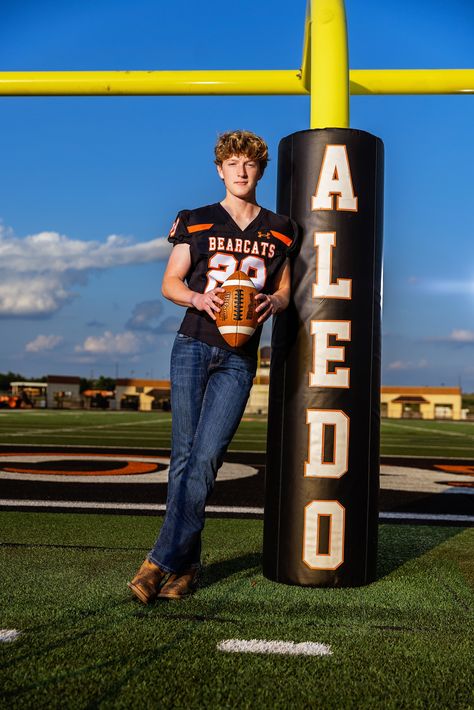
point(105, 383)
point(6, 378)
point(102, 383)
point(85, 384)
point(468, 401)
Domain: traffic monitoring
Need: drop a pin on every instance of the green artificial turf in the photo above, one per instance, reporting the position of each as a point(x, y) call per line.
point(134, 430)
point(139, 430)
point(404, 641)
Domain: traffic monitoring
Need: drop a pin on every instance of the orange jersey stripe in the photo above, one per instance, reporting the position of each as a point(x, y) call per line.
point(199, 227)
point(286, 240)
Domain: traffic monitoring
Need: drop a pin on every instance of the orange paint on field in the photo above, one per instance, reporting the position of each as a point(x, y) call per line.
point(132, 468)
point(465, 470)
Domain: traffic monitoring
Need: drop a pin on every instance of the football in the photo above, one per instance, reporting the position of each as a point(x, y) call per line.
point(237, 319)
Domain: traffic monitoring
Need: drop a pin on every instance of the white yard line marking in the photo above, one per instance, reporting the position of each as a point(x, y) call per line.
point(460, 447)
point(436, 517)
point(93, 505)
point(237, 510)
point(422, 430)
point(91, 428)
point(93, 437)
point(7, 635)
point(433, 459)
point(286, 648)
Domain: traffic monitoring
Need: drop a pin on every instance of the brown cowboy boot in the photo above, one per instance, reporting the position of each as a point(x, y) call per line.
point(146, 583)
point(180, 585)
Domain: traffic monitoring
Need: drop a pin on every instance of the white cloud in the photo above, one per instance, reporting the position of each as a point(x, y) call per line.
point(32, 295)
point(459, 336)
point(168, 326)
point(462, 336)
point(145, 315)
point(38, 271)
point(43, 342)
point(145, 319)
point(50, 251)
point(453, 286)
point(407, 365)
point(126, 343)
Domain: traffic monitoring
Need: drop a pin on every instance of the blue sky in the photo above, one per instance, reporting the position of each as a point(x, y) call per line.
point(90, 186)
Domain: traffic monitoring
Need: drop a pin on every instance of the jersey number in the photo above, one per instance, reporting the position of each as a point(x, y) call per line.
point(223, 265)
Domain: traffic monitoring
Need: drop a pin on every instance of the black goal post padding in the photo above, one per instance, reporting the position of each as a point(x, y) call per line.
point(322, 476)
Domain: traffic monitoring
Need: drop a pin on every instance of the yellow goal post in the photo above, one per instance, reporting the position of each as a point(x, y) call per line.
point(324, 76)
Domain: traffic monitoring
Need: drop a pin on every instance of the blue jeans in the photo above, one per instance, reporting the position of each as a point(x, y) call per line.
point(210, 387)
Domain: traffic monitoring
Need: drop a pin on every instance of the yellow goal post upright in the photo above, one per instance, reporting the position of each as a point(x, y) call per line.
point(321, 515)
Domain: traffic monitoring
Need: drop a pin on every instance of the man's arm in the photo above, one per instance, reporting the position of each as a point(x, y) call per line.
point(279, 300)
point(174, 289)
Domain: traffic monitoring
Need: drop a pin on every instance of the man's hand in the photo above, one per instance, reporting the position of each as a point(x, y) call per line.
point(276, 302)
point(268, 306)
point(209, 301)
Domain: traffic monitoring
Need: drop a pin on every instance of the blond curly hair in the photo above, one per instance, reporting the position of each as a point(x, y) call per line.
point(241, 143)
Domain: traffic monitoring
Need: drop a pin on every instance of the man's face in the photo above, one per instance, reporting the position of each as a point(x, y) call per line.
point(240, 175)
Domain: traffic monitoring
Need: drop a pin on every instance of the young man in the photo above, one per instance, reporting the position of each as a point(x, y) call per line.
point(210, 380)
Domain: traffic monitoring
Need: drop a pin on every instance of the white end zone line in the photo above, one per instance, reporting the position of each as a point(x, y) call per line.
point(436, 517)
point(95, 505)
point(285, 648)
point(239, 510)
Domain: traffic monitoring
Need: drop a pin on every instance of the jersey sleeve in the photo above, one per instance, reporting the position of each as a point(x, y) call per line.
point(296, 239)
point(179, 233)
point(294, 230)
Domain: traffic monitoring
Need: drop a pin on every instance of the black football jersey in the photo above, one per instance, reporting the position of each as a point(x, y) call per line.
point(219, 248)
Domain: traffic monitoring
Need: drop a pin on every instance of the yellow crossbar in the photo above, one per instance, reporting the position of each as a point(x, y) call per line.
point(155, 83)
point(411, 81)
point(237, 83)
point(324, 76)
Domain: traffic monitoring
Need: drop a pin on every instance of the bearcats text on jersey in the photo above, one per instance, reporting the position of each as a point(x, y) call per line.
point(218, 248)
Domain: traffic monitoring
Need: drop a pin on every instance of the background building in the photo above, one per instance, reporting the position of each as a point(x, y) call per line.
point(28, 394)
point(58, 392)
point(63, 392)
point(143, 395)
point(421, 402)
point(258, 399)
